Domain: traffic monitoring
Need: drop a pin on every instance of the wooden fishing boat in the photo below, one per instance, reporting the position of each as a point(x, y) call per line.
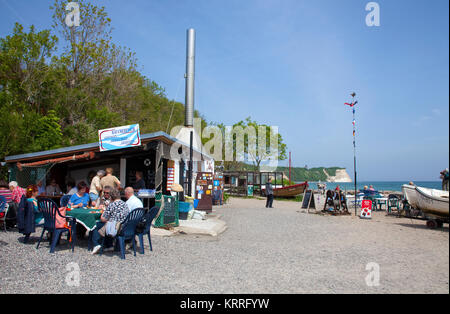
point(290, 191)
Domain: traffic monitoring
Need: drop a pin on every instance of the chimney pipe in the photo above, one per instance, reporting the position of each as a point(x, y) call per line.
point(190, 78)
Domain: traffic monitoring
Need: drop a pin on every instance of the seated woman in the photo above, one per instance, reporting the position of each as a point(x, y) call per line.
point(81, 198)
point(31, 195)
point(116, 211)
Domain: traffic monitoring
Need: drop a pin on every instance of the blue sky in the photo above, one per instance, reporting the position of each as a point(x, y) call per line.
point(293, 64)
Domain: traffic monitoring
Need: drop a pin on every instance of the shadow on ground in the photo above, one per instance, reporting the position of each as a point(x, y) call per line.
point(423, 226)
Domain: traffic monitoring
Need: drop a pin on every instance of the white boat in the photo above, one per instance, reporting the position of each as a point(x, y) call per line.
point(432, 202)
point(410, 193)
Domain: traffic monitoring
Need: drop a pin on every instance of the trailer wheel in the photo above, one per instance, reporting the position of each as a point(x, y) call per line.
point(432, 224)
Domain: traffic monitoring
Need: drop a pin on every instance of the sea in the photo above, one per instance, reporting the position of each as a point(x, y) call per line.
point(378, 185)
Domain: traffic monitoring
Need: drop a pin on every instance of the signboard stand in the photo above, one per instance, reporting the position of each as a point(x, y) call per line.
point(366, 209)
point(308, 200)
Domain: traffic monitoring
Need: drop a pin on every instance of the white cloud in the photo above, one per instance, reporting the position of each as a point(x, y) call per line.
point(436, 112)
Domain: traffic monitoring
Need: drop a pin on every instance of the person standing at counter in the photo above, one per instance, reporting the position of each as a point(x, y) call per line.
point(140, 183)
point(110, 179)
point(96, 187)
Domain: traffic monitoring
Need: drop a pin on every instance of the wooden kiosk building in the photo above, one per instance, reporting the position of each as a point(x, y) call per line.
point(161, 158)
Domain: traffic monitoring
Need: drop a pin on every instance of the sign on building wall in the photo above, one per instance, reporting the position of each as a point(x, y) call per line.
point(120, 137)
point(208, 166)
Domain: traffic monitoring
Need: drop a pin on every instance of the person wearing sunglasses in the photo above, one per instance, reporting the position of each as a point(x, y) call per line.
point(105, 199)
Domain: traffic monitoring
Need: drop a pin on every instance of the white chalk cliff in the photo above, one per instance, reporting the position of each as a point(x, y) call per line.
point(341, 176)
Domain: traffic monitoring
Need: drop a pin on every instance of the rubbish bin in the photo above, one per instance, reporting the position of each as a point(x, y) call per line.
point(250, 190)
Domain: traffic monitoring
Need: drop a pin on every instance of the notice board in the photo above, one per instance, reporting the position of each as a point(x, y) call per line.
point(308, 200)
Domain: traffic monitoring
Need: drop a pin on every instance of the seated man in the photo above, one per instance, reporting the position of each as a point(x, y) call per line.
point(41, 187)
point(132, 201)
point(105, 199)
point(53, 188)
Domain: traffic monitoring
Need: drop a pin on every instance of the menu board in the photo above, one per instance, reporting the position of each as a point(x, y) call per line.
point(169, 209)
point(308, 200)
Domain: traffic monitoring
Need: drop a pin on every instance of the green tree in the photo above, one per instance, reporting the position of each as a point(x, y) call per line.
point(253, 152)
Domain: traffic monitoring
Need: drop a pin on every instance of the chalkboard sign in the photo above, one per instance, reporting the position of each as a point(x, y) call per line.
point(308, 200)
point(169, 210)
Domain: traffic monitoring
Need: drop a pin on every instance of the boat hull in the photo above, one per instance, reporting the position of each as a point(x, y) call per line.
point(410, 193)
point(433, 202)
point(290, 191)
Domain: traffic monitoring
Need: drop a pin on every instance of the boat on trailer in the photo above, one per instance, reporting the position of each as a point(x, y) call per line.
point(410, 194)
point(433, 203)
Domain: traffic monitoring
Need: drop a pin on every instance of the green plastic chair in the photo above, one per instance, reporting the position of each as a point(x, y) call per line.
point(393, 203)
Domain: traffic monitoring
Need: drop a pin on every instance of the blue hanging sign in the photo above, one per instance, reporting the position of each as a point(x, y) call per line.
point(120, 137)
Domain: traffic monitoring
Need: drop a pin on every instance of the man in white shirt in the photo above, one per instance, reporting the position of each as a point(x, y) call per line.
point(95, 189)
point(132, 201)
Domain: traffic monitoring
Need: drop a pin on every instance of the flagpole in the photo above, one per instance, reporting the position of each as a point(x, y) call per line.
point(354, 149)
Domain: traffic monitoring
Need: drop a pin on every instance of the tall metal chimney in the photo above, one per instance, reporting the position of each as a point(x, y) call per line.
point(190, 78)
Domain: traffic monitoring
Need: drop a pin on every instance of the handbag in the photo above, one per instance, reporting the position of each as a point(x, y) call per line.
point(60, 222)
point(111, 228)
point(102, 231)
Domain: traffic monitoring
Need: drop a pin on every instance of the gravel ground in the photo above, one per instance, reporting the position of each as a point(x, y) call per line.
point(280, 250)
